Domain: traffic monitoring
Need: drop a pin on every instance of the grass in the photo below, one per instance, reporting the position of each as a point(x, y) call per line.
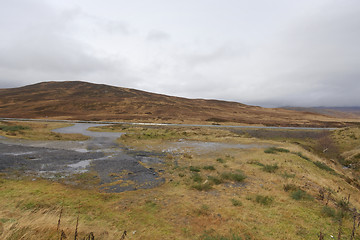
point(38, 131)
point(290, 187)
point(301, 195)
point(270, 168)
point(194, 169)
point(276, 150)
point(13, 128)
point(264, 200)
point(236, 202)
point(302, 156)
point(190, 204)
point(236, 177)
point(323, 166)
point(209, 167)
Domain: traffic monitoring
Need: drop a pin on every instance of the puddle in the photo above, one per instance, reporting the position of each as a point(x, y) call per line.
point(81, 165)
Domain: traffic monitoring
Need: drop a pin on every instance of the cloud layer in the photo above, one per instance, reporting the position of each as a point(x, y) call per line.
point(297, 53)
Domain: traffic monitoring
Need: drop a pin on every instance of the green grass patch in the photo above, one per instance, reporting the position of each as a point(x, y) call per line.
point(290, 187)
point(236, 202)
point(197, 177)
point(323, 166)
point(15, 128)
point(254, 162)
point(202, 186)
point(275, 150)
point(328, 211)
point(194, 169)
point(270, 168)
point(209, 167)
point(288, 175)
point(264, 200)
point(302, 156)
point(220, 160)
point(236, 177)
point(301, 195)
point(215, 180)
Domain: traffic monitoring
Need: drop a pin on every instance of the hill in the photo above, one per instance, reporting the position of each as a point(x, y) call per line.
point(88, 101)
point(339, 112)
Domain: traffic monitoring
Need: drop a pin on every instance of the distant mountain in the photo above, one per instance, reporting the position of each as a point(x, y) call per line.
point(88, 101)
point(338, 112)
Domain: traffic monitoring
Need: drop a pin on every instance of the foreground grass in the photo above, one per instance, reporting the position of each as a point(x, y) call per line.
point(37, 131)
point(227, 194)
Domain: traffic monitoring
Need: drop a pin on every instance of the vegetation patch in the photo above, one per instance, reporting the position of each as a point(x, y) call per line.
point(275, 150)
point(270, 168)
point(15, 128)
point(194, 169)
point(323, 166)
point(202, 186)
point(209, 167)
point(236, 177)
point(290, 187)
point(215, 180)
point(301, 195)
point(264, 200)
point(196, 177)
point(236, 202)
point(302, 156)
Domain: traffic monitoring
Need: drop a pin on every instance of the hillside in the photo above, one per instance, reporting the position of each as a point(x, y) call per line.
point(87, 101)
point(339, 112)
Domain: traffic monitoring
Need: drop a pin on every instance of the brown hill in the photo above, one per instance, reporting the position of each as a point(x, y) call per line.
point(87, 101)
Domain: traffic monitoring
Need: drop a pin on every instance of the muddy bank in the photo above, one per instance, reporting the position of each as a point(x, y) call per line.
point(114, 167)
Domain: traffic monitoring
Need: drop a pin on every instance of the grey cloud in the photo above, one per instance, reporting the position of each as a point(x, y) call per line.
point(39, 46)
point(157, 35)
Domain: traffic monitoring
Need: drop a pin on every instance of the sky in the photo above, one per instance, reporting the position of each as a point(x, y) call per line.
point(260, 52)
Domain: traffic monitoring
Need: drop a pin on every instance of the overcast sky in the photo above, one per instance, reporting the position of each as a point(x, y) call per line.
point(259, 52)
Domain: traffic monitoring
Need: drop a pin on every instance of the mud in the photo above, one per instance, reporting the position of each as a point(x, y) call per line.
point(100, 156)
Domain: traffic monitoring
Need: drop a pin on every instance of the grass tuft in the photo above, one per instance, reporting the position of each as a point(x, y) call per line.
point(236, 202)
point(301, 195)
point(264, 200)
point(270, 168)
point(236, 177)
point(209, 167)
point(194, 169)
point(275, 150)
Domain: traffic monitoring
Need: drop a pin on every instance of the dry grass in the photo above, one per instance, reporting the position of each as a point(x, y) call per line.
point(38, 131)
point(175, 210)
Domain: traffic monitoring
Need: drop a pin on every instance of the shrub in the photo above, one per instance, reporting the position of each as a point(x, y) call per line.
point(220, 160)
point(210, 167)
point(256, 163)
point(202, 186)
point(203, 210)
point(194, 169)
point(328, 211)
point(270, 168)
point(215, 180)
point(236, 177)
point(301, 195)
point(275, 150)
point(264, 200)
point(288, 175)
point(236, 202)
point(290, 187)
point(196, 177)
